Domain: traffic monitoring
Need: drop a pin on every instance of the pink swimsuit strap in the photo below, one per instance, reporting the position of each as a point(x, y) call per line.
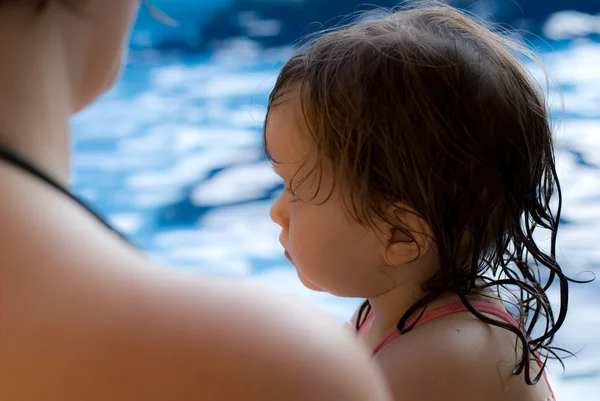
point(480, 305)
point(448, 309)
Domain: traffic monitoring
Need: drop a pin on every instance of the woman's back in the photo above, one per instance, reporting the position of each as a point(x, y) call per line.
point(85, 316)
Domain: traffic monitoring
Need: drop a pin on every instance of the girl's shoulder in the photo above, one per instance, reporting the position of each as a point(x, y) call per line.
point(456, 356)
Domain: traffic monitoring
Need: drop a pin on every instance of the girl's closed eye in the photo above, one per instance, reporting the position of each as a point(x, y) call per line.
point(292, 193)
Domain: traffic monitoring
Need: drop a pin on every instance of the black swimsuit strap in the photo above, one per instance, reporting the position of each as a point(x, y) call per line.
point(19, 161)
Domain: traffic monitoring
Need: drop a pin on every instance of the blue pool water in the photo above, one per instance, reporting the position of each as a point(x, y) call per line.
point(172, 156)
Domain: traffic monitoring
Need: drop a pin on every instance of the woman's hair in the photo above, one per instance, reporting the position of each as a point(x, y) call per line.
point(41, 5)
point(76, 5)
point(428, 108)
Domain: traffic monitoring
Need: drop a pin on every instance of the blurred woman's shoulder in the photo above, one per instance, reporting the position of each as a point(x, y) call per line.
point(86, 316)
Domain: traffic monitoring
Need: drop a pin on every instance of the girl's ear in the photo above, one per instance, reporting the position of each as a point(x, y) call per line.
point(408, 239)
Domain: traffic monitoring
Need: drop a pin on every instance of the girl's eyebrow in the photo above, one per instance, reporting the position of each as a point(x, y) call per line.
point(274, 167)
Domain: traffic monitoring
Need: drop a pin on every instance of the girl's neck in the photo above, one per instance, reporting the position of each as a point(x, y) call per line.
point(389, 308)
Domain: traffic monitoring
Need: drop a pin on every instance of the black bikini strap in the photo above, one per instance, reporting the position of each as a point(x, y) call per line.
point(19, 161)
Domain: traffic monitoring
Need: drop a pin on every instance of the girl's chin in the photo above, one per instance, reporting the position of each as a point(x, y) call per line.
point(307, 283)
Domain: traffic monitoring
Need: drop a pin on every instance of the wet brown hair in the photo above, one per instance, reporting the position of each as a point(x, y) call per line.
point(428, 107)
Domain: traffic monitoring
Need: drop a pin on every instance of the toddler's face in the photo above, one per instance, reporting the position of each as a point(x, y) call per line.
point(329, 251)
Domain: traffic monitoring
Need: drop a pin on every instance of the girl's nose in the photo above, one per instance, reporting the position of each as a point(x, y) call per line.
point(278, 212)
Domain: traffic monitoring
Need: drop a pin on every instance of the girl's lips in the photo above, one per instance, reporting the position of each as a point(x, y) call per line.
point(287, 255)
